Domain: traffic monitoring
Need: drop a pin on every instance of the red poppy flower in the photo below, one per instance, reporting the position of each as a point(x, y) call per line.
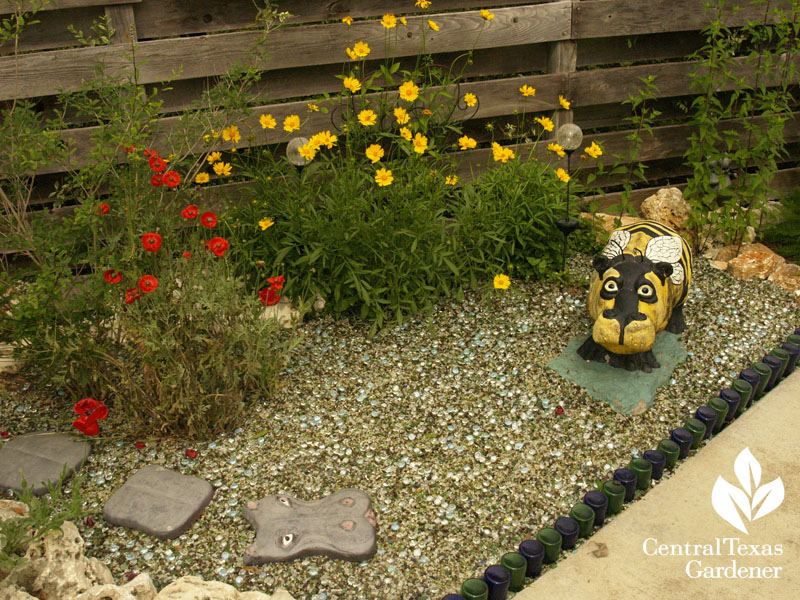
point(90, 411)
point(217, 245)
point(128, 149)
point(190, 212)
point(171, 178)
point(150, 153)
point(139, 445)
point(148, 283)
point(132, 295)
point(86, 426)
point(104, 208)
point(276, 283)
point(5, 435)
point(191, 453)
point(151, 242)
point(112, 276)
point(187, 254)
point(157, 180)
point(559, 411)
point(209, 219)
point(157, 164)
point(268, 297)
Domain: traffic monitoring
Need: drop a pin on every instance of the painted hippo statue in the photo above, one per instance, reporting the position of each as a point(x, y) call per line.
point(641, 281)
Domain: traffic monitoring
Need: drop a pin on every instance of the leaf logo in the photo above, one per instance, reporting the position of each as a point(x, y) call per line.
point(727, 498)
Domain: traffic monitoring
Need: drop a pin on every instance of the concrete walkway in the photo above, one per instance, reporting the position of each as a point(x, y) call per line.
point(637, 554)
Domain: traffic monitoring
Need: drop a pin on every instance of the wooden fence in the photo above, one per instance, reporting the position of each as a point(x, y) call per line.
point(585, 50)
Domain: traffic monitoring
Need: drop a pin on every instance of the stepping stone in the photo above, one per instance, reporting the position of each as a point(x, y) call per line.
point(158, 501)
point(342, 526)
point(41, 457)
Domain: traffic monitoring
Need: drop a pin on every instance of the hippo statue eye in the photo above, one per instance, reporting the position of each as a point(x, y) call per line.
point(645, 291)
point(610, 286)
point(287, 539)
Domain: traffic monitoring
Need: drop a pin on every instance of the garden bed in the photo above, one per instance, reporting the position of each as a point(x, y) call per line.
point(450, 422)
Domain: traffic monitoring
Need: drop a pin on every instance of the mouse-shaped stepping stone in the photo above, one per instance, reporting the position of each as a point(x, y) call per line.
point(343, 525)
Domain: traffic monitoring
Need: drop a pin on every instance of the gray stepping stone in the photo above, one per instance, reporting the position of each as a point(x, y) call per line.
point(158, 501)
point(41, 457)
point(342, 525)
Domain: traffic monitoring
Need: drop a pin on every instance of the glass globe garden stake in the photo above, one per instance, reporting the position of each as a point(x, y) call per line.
point(569, 136)
point(293, 155)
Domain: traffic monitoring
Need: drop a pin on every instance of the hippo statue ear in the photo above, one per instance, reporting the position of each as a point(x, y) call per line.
point(662, 270)
point(601, 264)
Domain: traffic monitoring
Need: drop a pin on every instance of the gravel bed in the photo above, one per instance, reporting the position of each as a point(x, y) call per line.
point(450, 423)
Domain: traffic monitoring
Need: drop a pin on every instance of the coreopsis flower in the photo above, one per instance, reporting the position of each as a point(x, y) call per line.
point(202, 178)
point(267, 121)
point(383, 177)
point(360, 50)
point(222, 168)
point(401, 114)
point(374, 152)
point(501, 282)
point(557, 149)
point(148, 283)
point(408, 91)
point(112, 276)
point(470, 99)
point(389, 21)
point(347, 20)
point(323, 138)
point(405, 133)
point(451, 180)
point(231, 134)
point(312, 107)
point(562, 175)
point(351, 54)
point(156, 180)
point(214, 157)
point(208, 219)
point(157, 164)
point(217, 245)
point(465, 142)
point(266, 223)
point(527, 90)
point(151, 242)
point(423, 4)
point(171, 179)
point(291, 123)
point(190, 212)
point(420, 143)
point(352, 84)
point(487, 15)
point(307, 151)
point(433, 25)
point(545, 122)
point(594, 150)
point(367, 117)
point(403, 21)
point(103, 209)
point(563, 102)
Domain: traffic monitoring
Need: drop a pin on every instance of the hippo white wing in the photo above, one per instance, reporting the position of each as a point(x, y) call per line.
point(667, 248)
point(616, 243)
point(677, 273)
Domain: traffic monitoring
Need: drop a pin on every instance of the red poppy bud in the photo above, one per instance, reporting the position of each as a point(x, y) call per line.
point(187, 255)
point(139, 445)
point(104, 208)
point(112, 276)
point(209, 219)
point(171, 179)
point(191, 453)
point(156, 180)
point(89, 522)
point(151, 242)
point(559, 411)
point(150, 153)
point(190, 212)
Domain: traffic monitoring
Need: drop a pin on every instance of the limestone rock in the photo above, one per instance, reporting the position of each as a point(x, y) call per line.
point(787, 276)
point(287, 315)
point(194, 588)
point(14, 593)
point(668, 207)
point(139, 588)
point(727, 253)
point(755, 260)
point(720, 265)
point(606, 222)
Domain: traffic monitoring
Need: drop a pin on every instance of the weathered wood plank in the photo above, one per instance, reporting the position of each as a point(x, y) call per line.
point(606, 18)
point(48, 72)
point(124, 24)
point(562, 58)
point(51, 30)
point(11, 6)
point(633, 48)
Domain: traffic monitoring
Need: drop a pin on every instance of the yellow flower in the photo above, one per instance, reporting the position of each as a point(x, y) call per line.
point(420, 143)
point(307, 151)
point(313, 107)
point(594, 150)
point(214, 134)
point(202, 178)
point(487, 15)
point(323, 138)
point(361, 49)
point(347, 20)
point(351, 54)
point(408, 91)
point(527, 90)
point(401, 115)
point(352, 84)
point(222, 168)
point(501, 154)
point(545, 122)
point(422, 4)
point(231, 134)
point(563, 102)
point(214, 157)
point(266, 223)
point(374, 152)
point(433, 25)
point(405, 133)
point(557, 148)
point(562, 175)
point(291, 123)
point(501, 282)
point(470, 99)
point(367, 117)
point(389, 21)
point(403, 21)
point(267, 121)
point(451, 180)
point(383, 177)
point(465, 142)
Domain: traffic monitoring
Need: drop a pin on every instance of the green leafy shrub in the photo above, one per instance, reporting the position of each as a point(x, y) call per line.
point(781, 232)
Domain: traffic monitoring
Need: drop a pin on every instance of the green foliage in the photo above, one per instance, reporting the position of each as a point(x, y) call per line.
point(46, 515)
point(782, 232)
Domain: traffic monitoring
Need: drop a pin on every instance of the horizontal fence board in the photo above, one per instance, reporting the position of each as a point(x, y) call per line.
point(185, 58)
point(11, 6)
point(51, 30)
point(635, 48)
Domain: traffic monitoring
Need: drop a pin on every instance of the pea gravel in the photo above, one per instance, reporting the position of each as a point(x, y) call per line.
point(449, 422)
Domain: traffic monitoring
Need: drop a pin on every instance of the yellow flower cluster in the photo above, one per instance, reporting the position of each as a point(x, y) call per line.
point(367, 117)
point(222, 168)
point(401, 115)
point(451, 180)
point(501, 154)
point(420, 143)
point(557, 149)
point(231, 134)
point(266, 223)
point(433, 25)
point(389, 21)
point(323, 138)
point(267, 121)
point(563, 102)
point(465, 142)
point(347, 20)
point(487, 15)
point(527, 90)
point(405, 133)
point(423, 4)
point(360, 50)
point(383, 177)
point(562, 175)
point(594, 150)
point(352, 84)
point(201, 178)
point(545, 122)
point(214, 157)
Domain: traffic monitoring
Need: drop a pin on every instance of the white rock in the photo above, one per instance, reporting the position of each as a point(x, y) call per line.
point(194, 588)
point(668, 207)
point(139, 588)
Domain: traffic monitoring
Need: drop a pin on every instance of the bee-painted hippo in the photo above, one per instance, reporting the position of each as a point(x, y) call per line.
point(641, 281)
